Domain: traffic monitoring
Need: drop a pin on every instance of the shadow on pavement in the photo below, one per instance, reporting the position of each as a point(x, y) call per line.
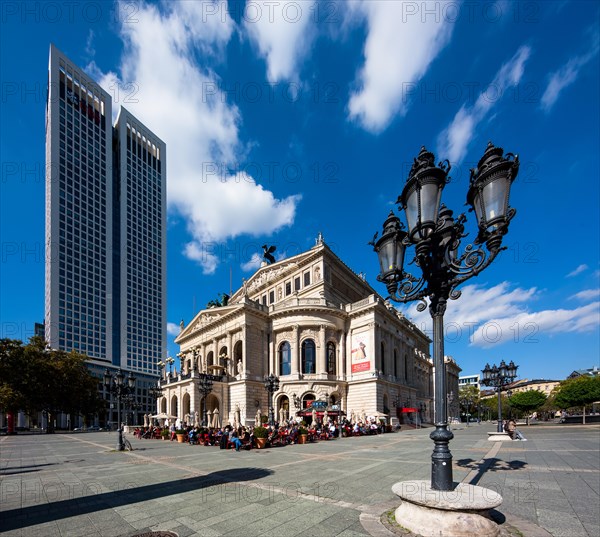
point(489, 465)
point(49, 512)
point(24, 469)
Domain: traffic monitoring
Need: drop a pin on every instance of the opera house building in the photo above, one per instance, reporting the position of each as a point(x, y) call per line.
point(317, 326)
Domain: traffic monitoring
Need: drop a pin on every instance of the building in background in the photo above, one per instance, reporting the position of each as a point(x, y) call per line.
point(321, 329)
point(453, 388)
point(542, 385)
point(105, 228)
point(469, 380)
point(592, 372)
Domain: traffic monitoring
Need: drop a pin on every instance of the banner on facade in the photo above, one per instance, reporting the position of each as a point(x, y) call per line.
point(361, 349)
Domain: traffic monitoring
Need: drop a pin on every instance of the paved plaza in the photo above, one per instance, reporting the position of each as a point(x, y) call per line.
point(77, 485)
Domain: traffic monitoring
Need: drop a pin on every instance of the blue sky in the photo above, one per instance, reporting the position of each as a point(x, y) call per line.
point(286, 119)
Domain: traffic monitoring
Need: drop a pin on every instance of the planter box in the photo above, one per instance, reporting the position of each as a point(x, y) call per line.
point(180, 438)
point(261, 442)
point(303, 439)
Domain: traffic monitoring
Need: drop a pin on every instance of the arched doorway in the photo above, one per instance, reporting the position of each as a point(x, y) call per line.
point(174, 407)
point(213, 411)
point(307, 400)
point(185, 407)
point(283, 409)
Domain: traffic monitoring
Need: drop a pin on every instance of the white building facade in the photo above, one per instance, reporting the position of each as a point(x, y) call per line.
point(317, 326)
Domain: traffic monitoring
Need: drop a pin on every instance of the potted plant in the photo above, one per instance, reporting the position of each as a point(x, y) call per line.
point(164, 434)
point(180, 434)
point(302, 435)
point(260, 436)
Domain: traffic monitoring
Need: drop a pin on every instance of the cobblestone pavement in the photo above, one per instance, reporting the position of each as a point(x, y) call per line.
point(77, 485)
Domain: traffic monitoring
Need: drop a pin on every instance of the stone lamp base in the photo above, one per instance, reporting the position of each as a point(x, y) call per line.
point(462, 512)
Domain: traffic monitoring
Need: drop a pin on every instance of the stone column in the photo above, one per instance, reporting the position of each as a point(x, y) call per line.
point(341, 358)
point(273, 362)
point(230, 352)
point(321, 369)
point(244, 348)
point(296, 350)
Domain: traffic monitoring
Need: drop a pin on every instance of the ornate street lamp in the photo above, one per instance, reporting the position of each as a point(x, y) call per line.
point(467, 402)
point(205, 385)
point(498, 377)
point(271, 385)
point(121, 388)
point(436, 236)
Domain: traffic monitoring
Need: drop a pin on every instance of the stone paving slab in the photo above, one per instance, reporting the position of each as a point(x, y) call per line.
point(77, 485)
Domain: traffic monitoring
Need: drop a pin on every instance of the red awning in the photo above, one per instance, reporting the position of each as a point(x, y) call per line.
point(406, 410)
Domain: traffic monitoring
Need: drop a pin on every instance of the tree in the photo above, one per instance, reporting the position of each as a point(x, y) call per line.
point(578, 392)
point(468, 398)
point(528, 401)
point(35, 378)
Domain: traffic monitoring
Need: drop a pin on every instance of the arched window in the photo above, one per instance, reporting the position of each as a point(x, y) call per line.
point(331, 358)
point(285, 359)
point(382, 358)
point(308, 356)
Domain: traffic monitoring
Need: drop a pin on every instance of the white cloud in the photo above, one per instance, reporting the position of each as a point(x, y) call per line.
point(567, 74)
point(587, 294)
point(399, 49)
point(167, 56)
point(283, 33)
point(581, 268)
point(491, 316)
point(253, 264)
point(528, 326)
point(454, 140)
point(173, 329)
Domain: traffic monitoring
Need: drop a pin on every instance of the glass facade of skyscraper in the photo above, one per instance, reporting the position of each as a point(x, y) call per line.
point(105, 226)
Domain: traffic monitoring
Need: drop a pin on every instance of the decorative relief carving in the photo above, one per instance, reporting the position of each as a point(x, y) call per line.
point(268, 276)
point(206, 318)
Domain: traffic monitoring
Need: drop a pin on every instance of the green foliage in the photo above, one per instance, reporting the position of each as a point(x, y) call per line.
point(260, 432)
point(35, 378)
point(576, 392)
point(302, 431)
point(469, 392)
point(527, 401)
point(219, 302)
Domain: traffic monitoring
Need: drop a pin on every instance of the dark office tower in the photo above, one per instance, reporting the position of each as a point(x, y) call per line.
point(140, 240)
point(105, 226)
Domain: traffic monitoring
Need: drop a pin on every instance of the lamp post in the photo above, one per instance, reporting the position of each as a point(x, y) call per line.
point(121, 388)
point(297, 402)
point(436, 236)
point(271, 385)
point(498, 377)
point(205, 385)
point(467, 402)
point(170, 361)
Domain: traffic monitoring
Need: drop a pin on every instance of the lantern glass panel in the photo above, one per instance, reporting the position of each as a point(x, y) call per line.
point(430, 204)
point(495, 198)
point(412, 211)
point(386, 254)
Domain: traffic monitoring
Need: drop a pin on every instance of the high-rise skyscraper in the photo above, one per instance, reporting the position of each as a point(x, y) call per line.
point(105, 226)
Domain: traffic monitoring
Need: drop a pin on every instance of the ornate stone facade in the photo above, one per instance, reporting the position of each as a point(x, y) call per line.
point(321, 329)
